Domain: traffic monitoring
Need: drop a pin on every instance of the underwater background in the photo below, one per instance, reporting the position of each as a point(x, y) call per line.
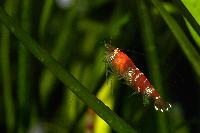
point(52, 65)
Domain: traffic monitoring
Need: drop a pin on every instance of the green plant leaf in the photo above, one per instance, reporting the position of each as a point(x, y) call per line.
point(190, 9)
point(65, 77)
point(185, 44)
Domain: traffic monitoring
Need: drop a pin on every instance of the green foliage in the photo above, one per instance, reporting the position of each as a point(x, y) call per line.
point(68, 43)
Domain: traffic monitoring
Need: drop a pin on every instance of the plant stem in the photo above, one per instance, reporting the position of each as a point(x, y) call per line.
point(23, 74)
point(6, 72)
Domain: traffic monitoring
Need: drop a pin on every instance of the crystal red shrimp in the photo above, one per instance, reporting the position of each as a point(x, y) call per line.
point(124, 67)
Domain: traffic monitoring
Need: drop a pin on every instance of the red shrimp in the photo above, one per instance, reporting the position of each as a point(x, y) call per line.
point(124, 67)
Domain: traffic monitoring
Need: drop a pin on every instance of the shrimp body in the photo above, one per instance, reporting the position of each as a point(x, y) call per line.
point(121, 64)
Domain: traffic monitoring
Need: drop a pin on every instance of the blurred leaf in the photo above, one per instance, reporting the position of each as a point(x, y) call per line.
point(65, 77)
point(185, 44)
point(5, 65)
point(190, 10)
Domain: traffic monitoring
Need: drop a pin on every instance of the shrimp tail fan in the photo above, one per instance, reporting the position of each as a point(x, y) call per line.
point(162, 105)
